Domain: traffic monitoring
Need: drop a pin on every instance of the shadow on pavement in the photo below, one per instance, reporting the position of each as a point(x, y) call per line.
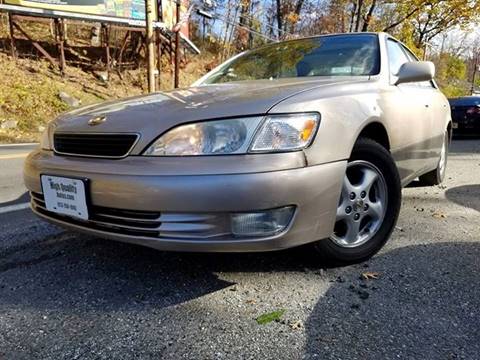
point(463, 146)
point(71, 271)
point(424, 305)
point(467, 196)
point(24, 198)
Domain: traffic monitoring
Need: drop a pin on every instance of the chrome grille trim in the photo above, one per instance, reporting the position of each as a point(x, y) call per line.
point(101, 219)
point(145, 223)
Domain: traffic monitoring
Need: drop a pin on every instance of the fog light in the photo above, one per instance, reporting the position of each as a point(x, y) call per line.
point(262, 223)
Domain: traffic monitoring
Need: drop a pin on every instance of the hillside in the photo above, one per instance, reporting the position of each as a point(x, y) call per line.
point(30, 91)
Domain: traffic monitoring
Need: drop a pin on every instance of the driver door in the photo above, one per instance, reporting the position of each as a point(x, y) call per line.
point(410, 118)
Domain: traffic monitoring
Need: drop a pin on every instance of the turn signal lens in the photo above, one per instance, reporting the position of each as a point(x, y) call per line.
point(308, 130)
point(286, 132)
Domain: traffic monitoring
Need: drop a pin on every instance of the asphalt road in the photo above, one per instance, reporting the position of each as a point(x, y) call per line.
point(65, 295)
point(11, 182)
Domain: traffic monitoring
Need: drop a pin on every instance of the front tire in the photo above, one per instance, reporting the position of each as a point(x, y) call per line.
point(368, 208)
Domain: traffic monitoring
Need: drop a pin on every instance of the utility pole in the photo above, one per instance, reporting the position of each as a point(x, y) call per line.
point(150, 45)
point(177, 46)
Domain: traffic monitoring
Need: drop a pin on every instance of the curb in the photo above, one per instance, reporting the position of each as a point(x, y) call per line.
point(18, 146)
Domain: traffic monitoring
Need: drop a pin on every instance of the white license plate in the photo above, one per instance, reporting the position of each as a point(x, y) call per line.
point(455, 125)
point(65, 196)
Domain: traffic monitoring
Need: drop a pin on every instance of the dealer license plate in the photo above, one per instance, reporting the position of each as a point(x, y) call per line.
point(65, 196)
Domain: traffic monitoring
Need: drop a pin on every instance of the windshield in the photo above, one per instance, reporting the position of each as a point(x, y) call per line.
point(335, 55)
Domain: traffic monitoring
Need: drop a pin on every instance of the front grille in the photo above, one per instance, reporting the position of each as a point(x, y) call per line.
point(97, 145)
point(150, 224)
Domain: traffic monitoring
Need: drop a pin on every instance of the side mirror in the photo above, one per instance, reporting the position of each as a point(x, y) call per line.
point(415, 72)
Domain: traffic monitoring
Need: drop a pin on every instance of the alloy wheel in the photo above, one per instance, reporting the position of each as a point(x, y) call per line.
point(362, 206)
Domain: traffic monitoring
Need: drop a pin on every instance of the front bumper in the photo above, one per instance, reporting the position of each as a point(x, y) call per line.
point(466, 127)
point(159, 203)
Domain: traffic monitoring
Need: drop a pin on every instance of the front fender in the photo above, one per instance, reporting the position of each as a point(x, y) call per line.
point(344, 114)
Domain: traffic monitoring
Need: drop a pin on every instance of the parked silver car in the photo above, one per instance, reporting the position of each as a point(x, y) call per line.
point(297, 142)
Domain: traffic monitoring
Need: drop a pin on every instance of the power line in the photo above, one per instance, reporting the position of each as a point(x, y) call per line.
point(285, 32)
point(247, 28)
point(223, 18)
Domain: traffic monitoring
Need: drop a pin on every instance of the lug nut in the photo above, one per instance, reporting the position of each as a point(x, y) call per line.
point(352, 196)
point(356, 216)
point(365, 207)
point(363, 194)
point(348, 209)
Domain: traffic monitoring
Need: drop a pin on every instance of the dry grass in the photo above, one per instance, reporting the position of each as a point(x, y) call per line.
point(30, 94)
point(30, 87)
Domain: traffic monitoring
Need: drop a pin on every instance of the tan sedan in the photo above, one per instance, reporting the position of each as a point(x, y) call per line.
point(298, 142)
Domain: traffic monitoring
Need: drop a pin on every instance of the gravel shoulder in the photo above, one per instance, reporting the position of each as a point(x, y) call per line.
point(65, 295)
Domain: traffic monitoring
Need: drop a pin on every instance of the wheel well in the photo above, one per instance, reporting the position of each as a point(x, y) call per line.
point(376, 132)
point(449, 129)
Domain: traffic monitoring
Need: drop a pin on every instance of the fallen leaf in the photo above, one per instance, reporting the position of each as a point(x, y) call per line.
point(251, 301)
point(439, 215)
point(370, 275)
point(296, 325)
point(269, 317)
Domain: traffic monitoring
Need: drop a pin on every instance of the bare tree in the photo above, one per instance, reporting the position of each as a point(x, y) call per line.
point(288, 15)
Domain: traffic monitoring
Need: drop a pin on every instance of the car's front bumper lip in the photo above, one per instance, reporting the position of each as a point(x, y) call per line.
point(314, 191)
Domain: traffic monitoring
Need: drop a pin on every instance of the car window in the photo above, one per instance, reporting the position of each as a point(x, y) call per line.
point(396, 56)
point(333, 55)
point(410, 55)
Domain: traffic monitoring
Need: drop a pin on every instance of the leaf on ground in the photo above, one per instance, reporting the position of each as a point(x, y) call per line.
point(370, 275)
point(269, 317)
point(296, 325)
point(251, 301)
point(439, 215)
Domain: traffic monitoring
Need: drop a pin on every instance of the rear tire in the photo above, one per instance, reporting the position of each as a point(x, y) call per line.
point(436, 177)
point(369, 204)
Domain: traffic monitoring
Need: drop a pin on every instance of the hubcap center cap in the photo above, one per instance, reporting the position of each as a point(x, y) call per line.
point(358, 204)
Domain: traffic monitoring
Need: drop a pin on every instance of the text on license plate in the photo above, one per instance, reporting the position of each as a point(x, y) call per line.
point(65, 196)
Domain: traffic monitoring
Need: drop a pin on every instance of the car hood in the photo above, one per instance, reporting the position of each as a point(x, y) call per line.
point(152, 115)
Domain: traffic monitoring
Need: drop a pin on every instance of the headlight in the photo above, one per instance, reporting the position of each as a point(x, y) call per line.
point(286, 132)
point(238, 136)
point(45, 140)
point(207, 138)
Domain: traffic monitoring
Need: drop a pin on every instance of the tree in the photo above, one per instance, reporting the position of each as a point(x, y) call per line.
point(428, 18)
point(245, 22)
point(288, 15)
point(438, 16)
